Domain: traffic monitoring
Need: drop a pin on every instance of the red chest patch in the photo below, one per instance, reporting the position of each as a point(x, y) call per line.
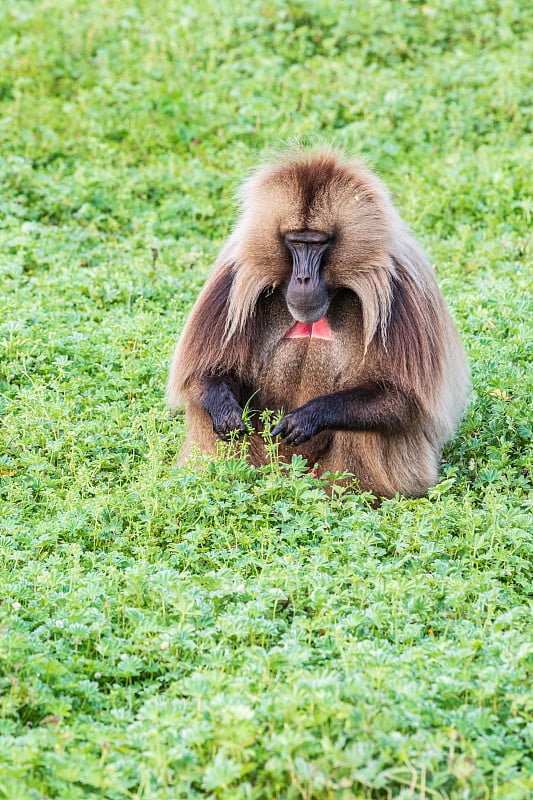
point(305, 330)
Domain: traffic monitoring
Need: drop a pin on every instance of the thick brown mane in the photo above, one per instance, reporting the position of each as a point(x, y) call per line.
point(205, 348)
point(412, 345)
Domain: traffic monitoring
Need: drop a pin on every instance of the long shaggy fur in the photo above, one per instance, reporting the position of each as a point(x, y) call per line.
point(389, 322)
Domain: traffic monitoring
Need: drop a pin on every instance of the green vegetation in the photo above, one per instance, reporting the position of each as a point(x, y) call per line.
point(239, 634)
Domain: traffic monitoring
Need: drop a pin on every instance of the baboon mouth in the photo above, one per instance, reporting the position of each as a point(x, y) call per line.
point(308, 314)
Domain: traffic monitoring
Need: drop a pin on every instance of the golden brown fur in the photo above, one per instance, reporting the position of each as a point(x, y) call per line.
point(392, 334)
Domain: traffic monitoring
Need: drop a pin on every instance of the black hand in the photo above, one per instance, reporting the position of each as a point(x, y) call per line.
point(221, 404)
point(227, 421)
point(298, 426)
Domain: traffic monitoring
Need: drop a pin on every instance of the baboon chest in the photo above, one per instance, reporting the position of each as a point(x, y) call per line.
point(297, 371)
point(300, 362)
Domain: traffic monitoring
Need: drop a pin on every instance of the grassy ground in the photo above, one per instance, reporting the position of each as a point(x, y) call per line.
point(242, 635)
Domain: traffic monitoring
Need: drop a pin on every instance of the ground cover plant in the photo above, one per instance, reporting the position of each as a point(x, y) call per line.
point(167, 633)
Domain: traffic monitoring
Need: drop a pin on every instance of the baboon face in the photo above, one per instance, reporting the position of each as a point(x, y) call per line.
point(307, 293)
point(308, 224)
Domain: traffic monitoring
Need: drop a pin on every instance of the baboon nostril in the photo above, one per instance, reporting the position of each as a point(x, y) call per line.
point(303, 280)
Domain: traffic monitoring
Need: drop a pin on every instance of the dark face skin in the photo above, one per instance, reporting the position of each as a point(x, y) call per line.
point(307, 296)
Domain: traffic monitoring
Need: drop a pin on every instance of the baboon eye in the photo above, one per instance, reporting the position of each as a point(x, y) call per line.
point(307, 237)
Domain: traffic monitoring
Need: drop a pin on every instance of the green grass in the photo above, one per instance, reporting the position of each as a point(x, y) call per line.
point(239, 634)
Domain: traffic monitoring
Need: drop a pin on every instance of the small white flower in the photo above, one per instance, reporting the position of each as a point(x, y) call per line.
point(16, 605)
point(97, 675)
point(240, 587)
point(60, 623)
point(164, 644)
point(123, 656)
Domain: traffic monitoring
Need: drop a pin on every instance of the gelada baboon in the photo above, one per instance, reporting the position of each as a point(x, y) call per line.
point(321, 304)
